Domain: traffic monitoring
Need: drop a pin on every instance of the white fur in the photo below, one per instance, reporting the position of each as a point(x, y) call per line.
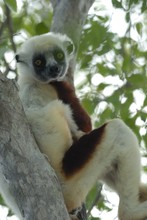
point(53, 127)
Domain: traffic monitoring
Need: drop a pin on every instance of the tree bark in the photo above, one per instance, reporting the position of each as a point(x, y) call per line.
point(26, 172)
point(69, 17)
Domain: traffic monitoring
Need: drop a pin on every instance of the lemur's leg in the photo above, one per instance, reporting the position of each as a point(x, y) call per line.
point(109, 153)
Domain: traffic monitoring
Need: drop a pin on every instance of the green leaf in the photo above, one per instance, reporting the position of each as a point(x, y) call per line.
point(94, 218)
point(85, 61)
point(117, 4)
point(88, 105)
point(127, 63)
point(106, 114)
point(143, 116)
point(144, 6)
point(93, 37)
point(139, 27)
point(93, 194)
point(1, 200)
point(41, 28)
point(137, 80)
point(128, 16)
point(12, 4)
point(3, 49)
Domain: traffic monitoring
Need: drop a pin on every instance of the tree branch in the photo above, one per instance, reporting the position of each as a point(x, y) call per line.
point(69, 17)
point(2, 26)
point(10, 27)
point(23, 169)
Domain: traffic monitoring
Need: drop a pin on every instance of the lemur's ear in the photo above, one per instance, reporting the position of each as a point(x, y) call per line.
point(69, 47)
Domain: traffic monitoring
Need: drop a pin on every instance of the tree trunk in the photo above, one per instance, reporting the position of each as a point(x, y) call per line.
point(24, 171)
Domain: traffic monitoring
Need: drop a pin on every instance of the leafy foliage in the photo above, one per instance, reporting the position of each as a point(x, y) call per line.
point(11, 4)
point(112, 67)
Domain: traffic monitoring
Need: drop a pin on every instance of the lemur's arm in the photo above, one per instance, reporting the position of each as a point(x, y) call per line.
point(67, 94)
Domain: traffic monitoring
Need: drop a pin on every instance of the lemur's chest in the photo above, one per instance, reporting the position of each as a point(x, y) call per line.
point(47, 116)
point(37, 95)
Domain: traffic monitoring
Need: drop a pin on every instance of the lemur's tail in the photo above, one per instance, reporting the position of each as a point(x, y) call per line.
point(143, 192)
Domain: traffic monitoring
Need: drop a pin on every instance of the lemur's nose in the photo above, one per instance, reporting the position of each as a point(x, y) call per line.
point(54, 70)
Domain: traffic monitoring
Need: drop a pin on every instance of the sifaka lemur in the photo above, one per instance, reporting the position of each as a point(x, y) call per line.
point(62, 128)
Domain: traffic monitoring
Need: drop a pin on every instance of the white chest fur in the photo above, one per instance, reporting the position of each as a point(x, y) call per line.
point(49, 118)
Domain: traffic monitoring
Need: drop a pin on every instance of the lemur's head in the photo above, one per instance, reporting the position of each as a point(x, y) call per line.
point(45, 57)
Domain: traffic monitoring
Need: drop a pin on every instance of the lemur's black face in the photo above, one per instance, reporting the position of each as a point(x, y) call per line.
point(45, 58)
point(49, 66)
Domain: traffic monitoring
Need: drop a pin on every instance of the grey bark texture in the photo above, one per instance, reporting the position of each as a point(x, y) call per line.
point(27, 173)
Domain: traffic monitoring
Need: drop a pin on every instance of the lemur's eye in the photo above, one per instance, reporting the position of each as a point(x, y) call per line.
point(59, 55)
point(39, 61)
